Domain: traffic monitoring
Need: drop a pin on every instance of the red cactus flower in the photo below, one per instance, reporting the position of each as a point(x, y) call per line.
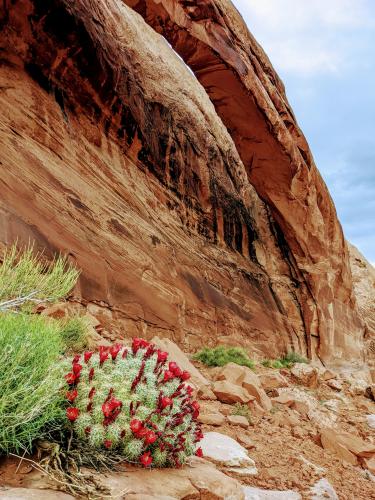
point(151, 437)
point(103, 348)
point(103, 355)
point(199, 452)
point(70, 378)
point(189, 390)
point(149, 352)
point(114, 350)
point(77, 368)
point(162, 356)
point(135, 426)
point(172, 366)
point(136, 344)
point(168, 375)
point(142, 433)
point(76, 358)
point(146, 459)
point(177, 372)
point(87, 356)
point(72, 413)
point(110, 406)
point(71, 395)
point(139, 343)
point(91, 374)
point(185, 375)
point(165, 401)
point(107, 443)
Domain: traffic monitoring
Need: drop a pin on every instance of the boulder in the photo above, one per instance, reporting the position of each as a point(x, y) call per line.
point(323, 490)
point(205, 393)
point(212, 419)
point(272, 380)
point(177, 355)
point(253, 386)
point(347, 446)
point(227, 392)
point(225, 451)
point(304, 374)
point(285, 398)
point(252, 493)
point(246, 378)
point(198, 479)
point(232, 372)
point(238, 420)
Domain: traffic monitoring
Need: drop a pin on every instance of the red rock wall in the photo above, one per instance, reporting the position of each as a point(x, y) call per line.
point(112, 152)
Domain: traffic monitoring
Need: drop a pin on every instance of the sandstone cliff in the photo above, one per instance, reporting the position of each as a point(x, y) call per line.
point(194, 209)
point(364, 287)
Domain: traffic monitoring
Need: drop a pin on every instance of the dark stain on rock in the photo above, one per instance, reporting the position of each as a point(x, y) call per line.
point(118, 227)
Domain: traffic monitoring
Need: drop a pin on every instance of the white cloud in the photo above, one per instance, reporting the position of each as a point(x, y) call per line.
point(306, 37)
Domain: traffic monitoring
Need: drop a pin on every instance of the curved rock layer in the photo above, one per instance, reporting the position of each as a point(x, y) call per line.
point(202, 228)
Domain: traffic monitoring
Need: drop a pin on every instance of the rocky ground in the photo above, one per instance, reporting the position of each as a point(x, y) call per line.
point(299, 433)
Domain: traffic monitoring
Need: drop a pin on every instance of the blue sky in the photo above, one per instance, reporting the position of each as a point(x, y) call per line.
point(324, 51)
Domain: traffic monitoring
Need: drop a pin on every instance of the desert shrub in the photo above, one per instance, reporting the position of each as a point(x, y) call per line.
point(243, 410)
point(130, 401)
point(26, 280)
point(273, 363)
point(287, 361)
point(293, 357)
point(30, 396)
point(74, 332)
point(220, 356)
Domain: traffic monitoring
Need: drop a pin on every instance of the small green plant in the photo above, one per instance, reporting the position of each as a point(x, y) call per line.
point(220, 356)
point(30, 399)
point(243, 410)
point(26, 280)
point(287, 361)
point(74, 332)
point(292, 358)
point(131, 402)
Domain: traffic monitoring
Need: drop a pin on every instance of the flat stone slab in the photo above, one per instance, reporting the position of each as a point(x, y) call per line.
point(259, 494)
point(224, 450)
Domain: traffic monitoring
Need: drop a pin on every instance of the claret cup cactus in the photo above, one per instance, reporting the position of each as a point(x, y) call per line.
point(133, 401)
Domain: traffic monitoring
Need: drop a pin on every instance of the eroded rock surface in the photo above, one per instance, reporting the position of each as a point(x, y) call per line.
point(194, 215)
point(248, 95)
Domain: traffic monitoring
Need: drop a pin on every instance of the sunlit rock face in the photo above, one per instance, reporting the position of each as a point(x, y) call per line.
point(186, 193)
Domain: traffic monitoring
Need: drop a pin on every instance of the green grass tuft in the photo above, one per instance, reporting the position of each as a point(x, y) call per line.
point(220, 356)
point(30, 400)
point(243, 410)
point(287, 361)
point(74, 332)
point(26, 280)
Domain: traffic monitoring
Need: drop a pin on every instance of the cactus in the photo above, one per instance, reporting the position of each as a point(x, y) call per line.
point(132, 401)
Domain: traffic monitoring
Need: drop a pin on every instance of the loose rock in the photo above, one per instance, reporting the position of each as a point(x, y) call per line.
point(230, 393)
